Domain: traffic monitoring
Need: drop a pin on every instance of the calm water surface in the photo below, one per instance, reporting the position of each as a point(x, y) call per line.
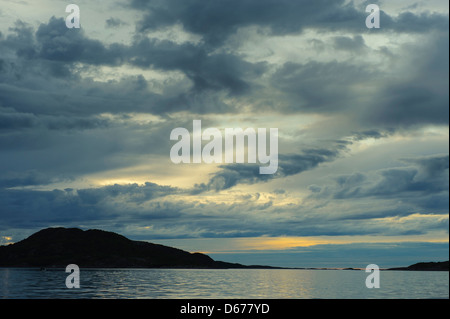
point(222, 284)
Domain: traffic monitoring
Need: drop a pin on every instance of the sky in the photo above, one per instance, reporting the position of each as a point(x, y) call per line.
point(362, 115)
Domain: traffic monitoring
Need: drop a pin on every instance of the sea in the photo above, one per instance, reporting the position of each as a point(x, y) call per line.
point(20, 283)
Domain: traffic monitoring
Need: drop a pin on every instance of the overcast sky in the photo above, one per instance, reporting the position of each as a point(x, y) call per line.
point(362, 114)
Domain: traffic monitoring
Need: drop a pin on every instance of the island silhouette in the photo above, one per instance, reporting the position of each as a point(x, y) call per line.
point(59, 247)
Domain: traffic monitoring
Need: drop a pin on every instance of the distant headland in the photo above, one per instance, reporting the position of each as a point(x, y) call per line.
point(430, 266)
point(59, 247)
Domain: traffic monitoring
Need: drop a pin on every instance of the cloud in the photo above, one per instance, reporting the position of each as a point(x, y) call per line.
point(132, 192)
point(217, 75)
point(216, 21)
point(375, 134)
point(42, 74)
point(420, 95)
point(231, 175)
point(355, 44)
point(165, 215)
point(55, 42)
point(410, 23)
point(431, 166)
point(114, 22)
point(29, 178)
point(31, 208)
point(413, 94)
point(320, 87)
point(425, 182)
point(78, 147)
point(208, 71)
point(61, 55)
point(14, 121)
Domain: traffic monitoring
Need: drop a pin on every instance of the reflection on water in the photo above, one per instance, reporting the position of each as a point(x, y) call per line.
point(221, 284)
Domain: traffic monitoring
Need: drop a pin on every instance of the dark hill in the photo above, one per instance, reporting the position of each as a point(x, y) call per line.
point(426, 266)
point(59, 247)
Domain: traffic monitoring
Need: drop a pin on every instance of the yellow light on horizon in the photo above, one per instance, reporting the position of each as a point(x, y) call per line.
point(252, 244)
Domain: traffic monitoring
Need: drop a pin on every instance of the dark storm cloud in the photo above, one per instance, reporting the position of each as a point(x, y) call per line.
point(40, 76)
point(10, 120)
point(55, 53)
point(122, 206)
point(114, 22)
point(28, 178)
point(422, 98)
point(288, 164)
point(54, 50)
point(207, 71)
point(30, 208)
point(313, 87)
point(416, 96)
point(410, 104)
point(320, 87)
point(56, 42)
point(250, 218)
point(425, 183)
point(125, 207)
point(133, 192)
point(375, 134)
point(410, 22)
point(54, 146)
point(431, 167)
point(215, 21)
point(356, 43)
point(14, 120)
